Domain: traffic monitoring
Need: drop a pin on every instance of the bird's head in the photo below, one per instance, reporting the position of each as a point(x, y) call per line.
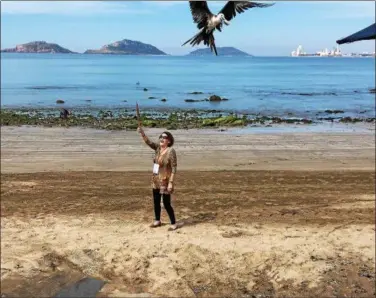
point(223, 19)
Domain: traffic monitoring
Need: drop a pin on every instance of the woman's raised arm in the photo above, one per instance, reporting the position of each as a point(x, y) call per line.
point(147, 141)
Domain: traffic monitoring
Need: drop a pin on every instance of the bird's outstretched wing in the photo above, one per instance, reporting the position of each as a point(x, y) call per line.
point(200, 12)
point(233, 7)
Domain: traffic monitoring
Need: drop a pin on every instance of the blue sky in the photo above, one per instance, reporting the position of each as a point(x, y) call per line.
point(276, 30)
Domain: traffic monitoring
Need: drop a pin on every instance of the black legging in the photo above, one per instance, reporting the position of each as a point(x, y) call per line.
point(167, 204)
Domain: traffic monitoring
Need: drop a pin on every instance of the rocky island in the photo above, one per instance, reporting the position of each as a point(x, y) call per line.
point(222, 51)
point(38, 47)
point(127, 47)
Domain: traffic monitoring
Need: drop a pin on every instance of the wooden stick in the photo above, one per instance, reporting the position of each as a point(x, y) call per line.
point(138, 115)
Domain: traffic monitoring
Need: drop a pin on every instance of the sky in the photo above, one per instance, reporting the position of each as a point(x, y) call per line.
point(272, 31)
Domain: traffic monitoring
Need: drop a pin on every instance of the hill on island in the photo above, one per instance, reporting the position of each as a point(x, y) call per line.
point(222, 51)
point(127, 47)
point(38, 47)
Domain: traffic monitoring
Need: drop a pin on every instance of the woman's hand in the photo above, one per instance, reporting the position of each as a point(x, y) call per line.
point(170, 187)
point(140, 130)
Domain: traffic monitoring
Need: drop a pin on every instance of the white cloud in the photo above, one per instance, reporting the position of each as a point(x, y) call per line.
point(67, 7)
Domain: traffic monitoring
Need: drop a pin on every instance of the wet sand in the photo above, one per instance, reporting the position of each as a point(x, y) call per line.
point(274, 214)
point(36, 149)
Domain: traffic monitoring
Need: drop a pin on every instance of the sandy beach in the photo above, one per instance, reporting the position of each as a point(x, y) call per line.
point(261, 214)
point(36, 149)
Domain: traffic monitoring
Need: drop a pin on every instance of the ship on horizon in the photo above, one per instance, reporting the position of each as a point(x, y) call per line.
point(335, 52)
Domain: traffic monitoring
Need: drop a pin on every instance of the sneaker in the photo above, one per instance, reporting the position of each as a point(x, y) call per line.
point(173, 227)
point(156, 224)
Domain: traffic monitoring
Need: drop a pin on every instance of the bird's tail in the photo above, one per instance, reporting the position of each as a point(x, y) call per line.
point(207, 38)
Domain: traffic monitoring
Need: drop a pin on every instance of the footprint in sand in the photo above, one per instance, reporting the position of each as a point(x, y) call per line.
point(233, 234)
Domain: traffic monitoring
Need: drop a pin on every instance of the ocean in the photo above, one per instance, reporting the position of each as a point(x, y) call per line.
point(272, 86)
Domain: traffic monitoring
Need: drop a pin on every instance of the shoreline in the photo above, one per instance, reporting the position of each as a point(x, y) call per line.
point(29, 149)
point(124, 119)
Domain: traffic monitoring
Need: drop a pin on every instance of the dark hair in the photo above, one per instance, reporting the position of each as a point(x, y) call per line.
point(170, 138)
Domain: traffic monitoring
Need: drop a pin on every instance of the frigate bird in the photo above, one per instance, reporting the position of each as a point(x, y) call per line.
point(207, 22)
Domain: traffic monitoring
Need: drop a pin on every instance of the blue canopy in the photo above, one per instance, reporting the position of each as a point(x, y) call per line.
point(365, 34)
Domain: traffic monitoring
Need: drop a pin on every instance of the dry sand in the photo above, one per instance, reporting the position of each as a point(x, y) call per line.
point(274, 214)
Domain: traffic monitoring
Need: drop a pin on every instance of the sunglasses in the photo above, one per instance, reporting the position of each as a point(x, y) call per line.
point(164, 137)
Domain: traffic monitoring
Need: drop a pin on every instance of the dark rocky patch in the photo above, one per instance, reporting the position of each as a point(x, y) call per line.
point(194, 100)
point(60, 101)
point(334, 111)
point(105, 114)
point(356, 120)
point(50, 87)
point(309, 93)
point(215, 98)
point(123, 119)
point(331, 119)
point(281, 120)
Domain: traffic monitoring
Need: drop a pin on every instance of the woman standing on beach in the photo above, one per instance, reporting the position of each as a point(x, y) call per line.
point(164, 170)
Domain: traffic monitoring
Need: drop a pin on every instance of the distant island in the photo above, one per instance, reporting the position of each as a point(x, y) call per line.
point(127, 47)
point(222, 51)
point(122, 47)
point(38, 47)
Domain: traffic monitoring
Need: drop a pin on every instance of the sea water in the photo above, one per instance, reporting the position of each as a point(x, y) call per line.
point(273, 86)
